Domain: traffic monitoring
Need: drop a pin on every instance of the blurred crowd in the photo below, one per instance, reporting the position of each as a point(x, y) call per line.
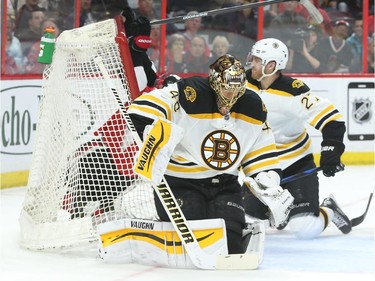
point(334, 46)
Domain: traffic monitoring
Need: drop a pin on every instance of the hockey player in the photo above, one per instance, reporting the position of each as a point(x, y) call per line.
point(138, 33)
point(291, 106)
point(216, 126)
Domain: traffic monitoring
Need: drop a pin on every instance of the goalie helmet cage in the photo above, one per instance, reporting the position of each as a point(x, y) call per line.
point(81, 170)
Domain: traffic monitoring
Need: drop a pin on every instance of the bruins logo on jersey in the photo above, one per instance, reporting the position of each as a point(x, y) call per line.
point(297, 84)
point(190, 93)
point(220, 150)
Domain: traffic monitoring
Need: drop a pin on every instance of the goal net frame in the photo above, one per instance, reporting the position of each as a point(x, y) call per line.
point(81, 170)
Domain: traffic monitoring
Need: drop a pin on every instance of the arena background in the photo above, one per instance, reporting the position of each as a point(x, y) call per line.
point(21, 90)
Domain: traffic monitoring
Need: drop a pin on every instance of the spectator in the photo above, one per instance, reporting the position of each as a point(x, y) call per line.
point(12, 49)
point(30, 35)
point(176, 60)
point(337, 55)
point(10, 9)
point(351, 7)
point(226, 21)
point(329, 5)
point(355, 41)
point(304, 54)
point(154, 49)
point(192, 27)
point(371, 56)
point(32, 65)
point(247, 21)
point(13, 45)
point(286, 23)
point(86, 15)
point(146, 8)
point(197, 60)
point(24, 14)
point(220, 47)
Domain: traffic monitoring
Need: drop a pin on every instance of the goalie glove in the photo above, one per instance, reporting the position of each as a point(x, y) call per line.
point(160, 140)
point(266, 188)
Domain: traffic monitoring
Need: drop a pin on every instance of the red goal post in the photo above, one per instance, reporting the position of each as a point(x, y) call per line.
point(81, 171)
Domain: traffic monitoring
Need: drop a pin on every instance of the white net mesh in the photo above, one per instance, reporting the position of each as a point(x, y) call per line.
point(81, 172)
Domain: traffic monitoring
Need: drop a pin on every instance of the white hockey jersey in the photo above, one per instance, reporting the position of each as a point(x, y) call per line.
point(291, 106)
point(212, 144)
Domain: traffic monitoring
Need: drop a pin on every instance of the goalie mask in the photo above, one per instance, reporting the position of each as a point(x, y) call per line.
point(228, 79)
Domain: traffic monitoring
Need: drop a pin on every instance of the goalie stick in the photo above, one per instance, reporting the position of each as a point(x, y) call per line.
point(199, 258)
point(313, 12)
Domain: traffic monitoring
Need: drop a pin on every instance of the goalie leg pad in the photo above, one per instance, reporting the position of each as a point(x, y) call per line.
point(157, 148)
point(157, 243)
point(253, 237)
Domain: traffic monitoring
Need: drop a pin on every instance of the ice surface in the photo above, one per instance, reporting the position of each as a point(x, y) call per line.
point(331, 257)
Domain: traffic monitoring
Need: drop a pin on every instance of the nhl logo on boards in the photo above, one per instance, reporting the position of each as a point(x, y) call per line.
point(362, 110)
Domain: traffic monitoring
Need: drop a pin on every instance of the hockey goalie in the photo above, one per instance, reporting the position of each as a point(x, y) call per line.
point(201, 164)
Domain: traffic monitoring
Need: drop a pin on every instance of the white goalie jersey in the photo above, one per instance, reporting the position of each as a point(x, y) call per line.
point(212, 143)
point(291, 106)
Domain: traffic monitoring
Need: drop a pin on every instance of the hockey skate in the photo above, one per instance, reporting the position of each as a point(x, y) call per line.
point(341, 220)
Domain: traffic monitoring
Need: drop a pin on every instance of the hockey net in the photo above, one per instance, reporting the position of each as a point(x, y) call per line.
point(81, 171)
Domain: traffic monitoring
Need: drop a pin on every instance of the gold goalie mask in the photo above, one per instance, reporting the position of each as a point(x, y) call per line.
point(228, 79)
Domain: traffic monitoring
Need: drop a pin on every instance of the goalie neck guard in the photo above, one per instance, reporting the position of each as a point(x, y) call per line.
point(227, 78)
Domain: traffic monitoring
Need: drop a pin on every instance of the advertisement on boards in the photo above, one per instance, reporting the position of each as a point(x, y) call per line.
point(19, 117)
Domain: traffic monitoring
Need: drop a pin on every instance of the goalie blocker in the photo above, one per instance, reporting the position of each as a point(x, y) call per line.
point(160, 139)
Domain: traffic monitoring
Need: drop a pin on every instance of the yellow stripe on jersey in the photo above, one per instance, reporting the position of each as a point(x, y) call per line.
point(165, 240)
point(141, 110)
point(186, 169)
point(256, 153)
point(295, 153)
point(246, 118)
point(281, 146)
point(233, 115)
point(206, 116)
point(158, 102)
point(252, 87)
point(270, 163)
point(334, 117)
point(323, 113)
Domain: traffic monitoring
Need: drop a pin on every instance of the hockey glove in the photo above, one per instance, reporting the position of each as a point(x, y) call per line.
point(330, 157)
point(140, 43)
point(170, 80)
point(267, 189)
point(129, 16)
point(141, 26)
point(140, 30)
point(164, 80)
